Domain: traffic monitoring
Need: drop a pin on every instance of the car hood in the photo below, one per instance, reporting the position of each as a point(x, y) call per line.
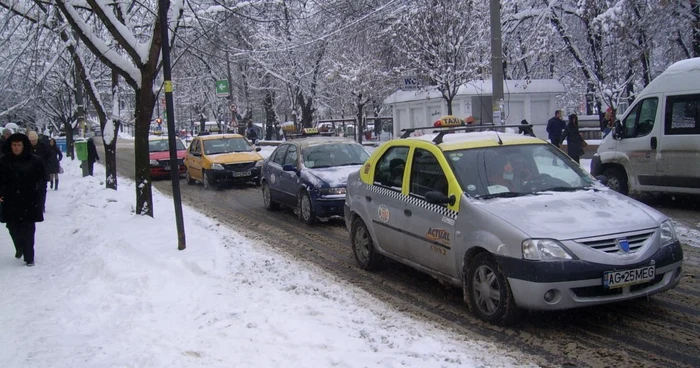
point(333, 176)
point(572, 215)
point(165, 155)
point(234, 157)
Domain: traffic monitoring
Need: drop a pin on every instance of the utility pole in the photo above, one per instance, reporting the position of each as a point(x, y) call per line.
point(230, 92)
point(163, 6)
point(496, 62)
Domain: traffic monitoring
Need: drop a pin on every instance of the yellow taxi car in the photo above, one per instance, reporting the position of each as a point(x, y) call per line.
point(219, 158)
point(509, 218)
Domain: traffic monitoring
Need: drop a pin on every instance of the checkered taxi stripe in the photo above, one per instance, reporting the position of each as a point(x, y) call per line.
point(444, 211)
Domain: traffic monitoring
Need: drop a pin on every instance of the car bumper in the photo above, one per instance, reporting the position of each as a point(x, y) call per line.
point(158, 172)
point(596, 163)
point(329, 207)
point(233, 175)
point(580, 283)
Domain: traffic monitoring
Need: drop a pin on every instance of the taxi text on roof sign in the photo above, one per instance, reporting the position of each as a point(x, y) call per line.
point(310, 131)
point(449, 120)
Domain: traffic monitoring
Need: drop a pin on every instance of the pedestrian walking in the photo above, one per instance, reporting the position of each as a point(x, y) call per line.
point(41, 150)
point(574, 141)
point(92, 155)
point(22, 189)
point(251, 134)
point(54, 164)
point(555, 127)
point(608, 123)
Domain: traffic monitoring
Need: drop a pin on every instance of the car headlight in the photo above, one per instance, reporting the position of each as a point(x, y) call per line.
point(544, 250)
point(259, 163)
point(154, 163)
point(329, 191)
point(668, 233)
point(216, 167)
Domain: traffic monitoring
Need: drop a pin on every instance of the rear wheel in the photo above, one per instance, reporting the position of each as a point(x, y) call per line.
point(490, 297)
point(306, 209)
point(267, 198)
point(617, 180)
point(363, 247)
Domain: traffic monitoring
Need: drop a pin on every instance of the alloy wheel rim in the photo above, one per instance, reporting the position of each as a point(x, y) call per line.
point(486, 290)
point(205, 180)
point(361, 244)
point(266, 195)
point(305, 207)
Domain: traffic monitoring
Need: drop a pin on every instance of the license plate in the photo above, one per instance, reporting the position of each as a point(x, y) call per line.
point(618, 279)
point(241, 173)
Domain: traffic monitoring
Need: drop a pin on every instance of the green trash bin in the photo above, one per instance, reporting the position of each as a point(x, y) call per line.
point(81, 149)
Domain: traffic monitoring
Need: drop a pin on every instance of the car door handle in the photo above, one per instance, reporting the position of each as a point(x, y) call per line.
point(407, 213)
point(653, 143)
point(368, 198)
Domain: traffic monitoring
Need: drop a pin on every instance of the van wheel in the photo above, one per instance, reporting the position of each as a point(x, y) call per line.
point(490, 297)
point(617, 180)
point(363, 247)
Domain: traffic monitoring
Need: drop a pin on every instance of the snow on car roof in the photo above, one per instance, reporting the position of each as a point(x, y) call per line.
point(684, 66)
point(453, 141)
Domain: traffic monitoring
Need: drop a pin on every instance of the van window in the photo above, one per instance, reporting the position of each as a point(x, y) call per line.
point(682, 115)
point(640, 120)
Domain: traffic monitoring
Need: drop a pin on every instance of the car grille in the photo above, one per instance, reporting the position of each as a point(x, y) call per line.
point(240, 166)
point(610, 245)
point(596, 291)
point(164, 163)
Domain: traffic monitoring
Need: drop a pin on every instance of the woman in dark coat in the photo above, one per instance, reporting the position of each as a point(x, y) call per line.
point(22, 182)
point(53, 165)
point(574, 140)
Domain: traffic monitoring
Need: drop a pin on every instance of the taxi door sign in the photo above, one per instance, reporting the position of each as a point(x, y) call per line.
point(449, 121)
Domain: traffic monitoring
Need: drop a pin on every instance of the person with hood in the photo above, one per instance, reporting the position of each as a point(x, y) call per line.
point(574, 140)
point(251, 133)
point(54, 164)
point(22, 189)
point(526, 130)
point(6, 133)
point(92, 155)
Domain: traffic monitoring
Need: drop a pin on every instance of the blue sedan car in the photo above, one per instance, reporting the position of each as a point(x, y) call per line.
point(311, 174)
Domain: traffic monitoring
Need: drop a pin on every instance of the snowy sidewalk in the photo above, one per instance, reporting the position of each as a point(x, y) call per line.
point(110, 289)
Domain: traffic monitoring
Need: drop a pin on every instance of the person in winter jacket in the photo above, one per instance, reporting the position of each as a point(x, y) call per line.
point(555, 126)
point(574, 140)
point(92, 155)
point(53, 165)
point(526, 130)
point(22, 189)
point(251, 134)
point(41, 150)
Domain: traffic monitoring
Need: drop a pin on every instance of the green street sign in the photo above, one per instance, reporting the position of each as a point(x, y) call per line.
point(222, 88)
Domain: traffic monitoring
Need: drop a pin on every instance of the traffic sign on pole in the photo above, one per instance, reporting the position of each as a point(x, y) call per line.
point(222, 88)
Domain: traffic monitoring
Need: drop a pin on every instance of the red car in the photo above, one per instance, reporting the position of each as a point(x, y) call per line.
point(159, 154)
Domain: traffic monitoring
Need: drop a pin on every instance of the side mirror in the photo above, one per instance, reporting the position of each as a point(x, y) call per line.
point(617, 134)
point(438, 198)
point(289, 167)
point(603, 179)
point(258, 149)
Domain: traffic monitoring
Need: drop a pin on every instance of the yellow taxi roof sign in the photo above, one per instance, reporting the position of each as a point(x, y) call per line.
point(310, 131)
point(449, 121)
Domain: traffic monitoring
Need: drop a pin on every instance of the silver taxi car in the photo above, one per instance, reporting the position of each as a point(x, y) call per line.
point(509, 218)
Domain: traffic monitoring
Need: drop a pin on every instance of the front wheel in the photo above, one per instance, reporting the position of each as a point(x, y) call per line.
point(267, 198)
point(490, 297)
point(617, 180)
point(363, 247)
point(306, 209)
point(205, 181)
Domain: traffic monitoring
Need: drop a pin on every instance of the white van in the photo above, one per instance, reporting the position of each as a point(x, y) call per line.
point(656, 145)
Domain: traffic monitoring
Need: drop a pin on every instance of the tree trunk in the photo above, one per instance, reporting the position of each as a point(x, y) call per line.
point(695, 9)
point(307, 109)
point(145, 101)
point(359, 127)
point(111, 146)
point(68, 127)
point(270, 117)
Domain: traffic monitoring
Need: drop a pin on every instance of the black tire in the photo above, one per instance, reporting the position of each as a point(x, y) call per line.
point(205, 181)
point(257, 182)
point(366, 256)
point(306, 209)
point(490, 297)
point(190, 181)
point(269, 204)
point(617, 180)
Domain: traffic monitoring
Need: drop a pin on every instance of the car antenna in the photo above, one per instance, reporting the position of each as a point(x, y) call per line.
point(500, 142)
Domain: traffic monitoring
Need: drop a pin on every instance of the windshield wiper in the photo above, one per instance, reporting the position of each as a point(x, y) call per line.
point(565, 189)
point(503, 195)
point(321, 166)
point(352, 163)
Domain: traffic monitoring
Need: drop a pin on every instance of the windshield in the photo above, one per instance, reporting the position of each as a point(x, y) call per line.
point(334, 154)
point(509, 171)
point(161, 145)
point(226, 145)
